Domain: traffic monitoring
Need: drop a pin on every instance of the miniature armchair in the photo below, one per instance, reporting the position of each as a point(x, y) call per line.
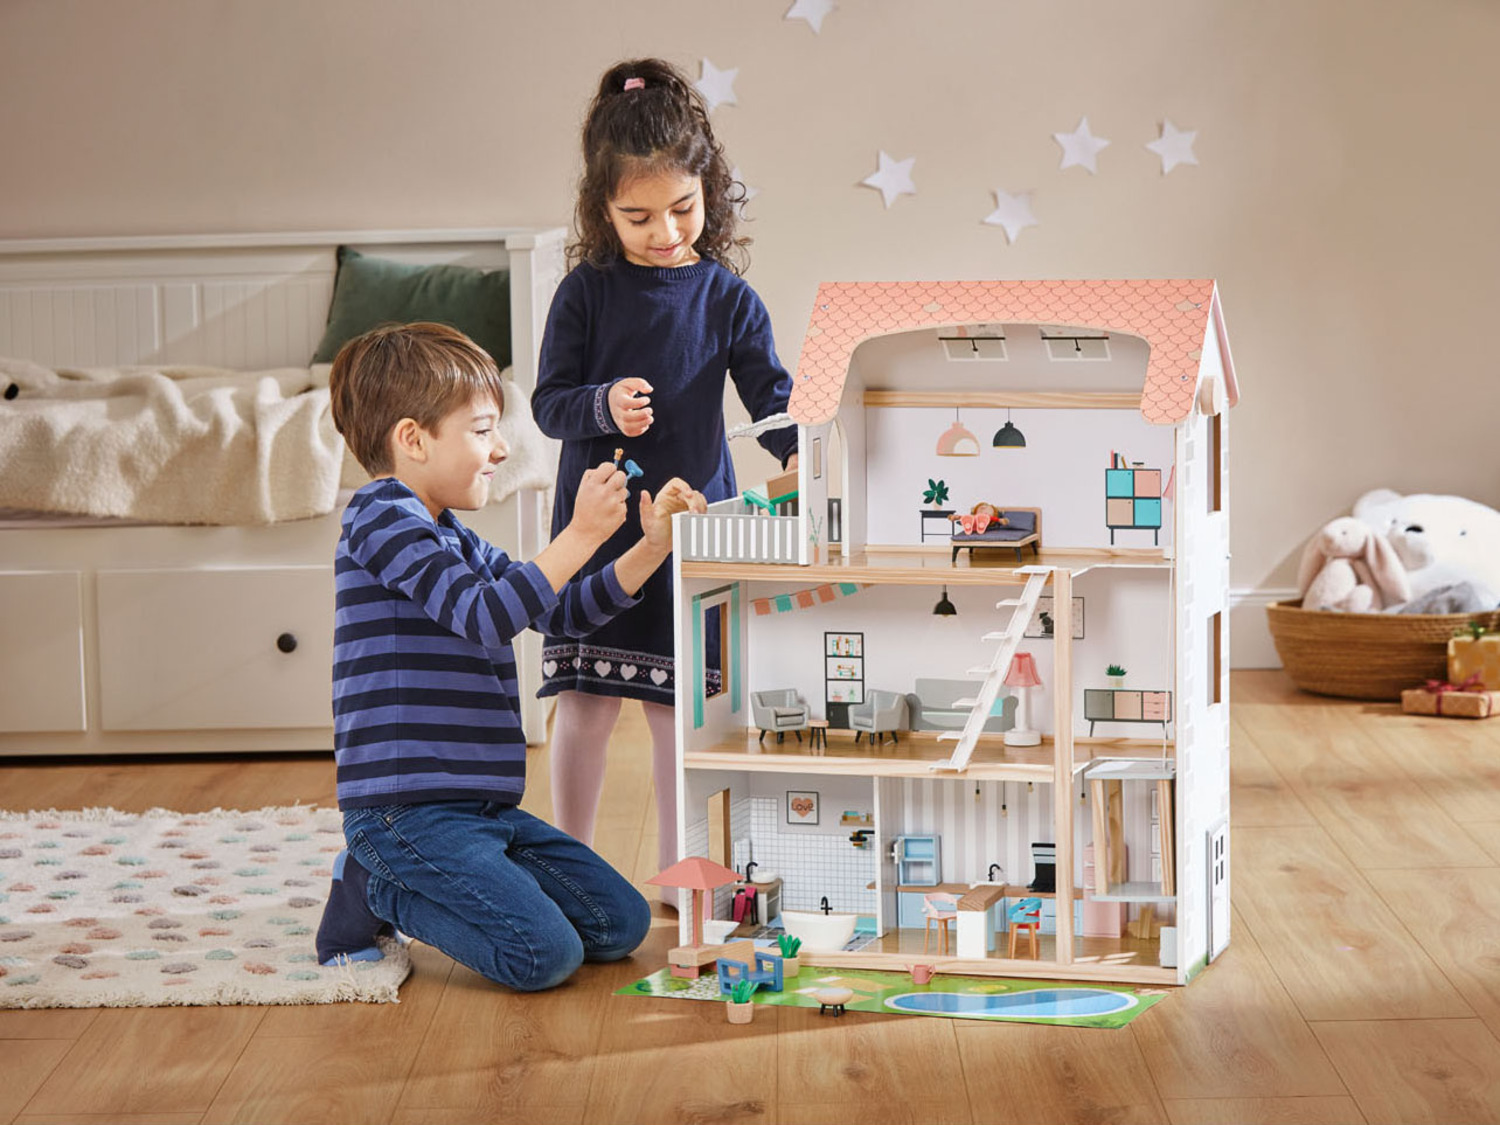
point(780, 711)
point(882, 713)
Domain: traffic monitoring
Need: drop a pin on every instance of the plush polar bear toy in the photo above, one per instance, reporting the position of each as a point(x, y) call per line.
point(1347, 566)
point(1450, 547)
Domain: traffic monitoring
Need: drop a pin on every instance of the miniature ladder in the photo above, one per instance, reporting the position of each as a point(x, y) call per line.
point(994, 675)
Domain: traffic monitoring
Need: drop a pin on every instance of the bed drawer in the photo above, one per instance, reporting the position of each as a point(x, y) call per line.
point(41, 657)
point(208, 649)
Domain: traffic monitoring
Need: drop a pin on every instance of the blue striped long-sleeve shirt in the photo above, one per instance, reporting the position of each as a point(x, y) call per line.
point(424, 678)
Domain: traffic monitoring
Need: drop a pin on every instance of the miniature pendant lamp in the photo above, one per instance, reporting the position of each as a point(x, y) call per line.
point(944, 607)
point(1023, 677)
point(1008, 437)
point(956, 441)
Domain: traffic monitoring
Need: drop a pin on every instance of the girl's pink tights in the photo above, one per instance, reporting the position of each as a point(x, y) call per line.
point(580, 747)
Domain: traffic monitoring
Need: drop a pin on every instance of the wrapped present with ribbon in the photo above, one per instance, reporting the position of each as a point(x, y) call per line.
point(1465, 700)
point(1475, 652)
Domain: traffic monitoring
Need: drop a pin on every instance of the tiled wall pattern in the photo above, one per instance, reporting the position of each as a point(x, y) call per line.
point(813, 864)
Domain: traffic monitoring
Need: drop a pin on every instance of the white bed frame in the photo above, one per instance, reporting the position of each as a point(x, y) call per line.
point(123, 638)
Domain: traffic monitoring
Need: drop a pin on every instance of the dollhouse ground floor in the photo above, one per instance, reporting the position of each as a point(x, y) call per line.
point(1359, 985)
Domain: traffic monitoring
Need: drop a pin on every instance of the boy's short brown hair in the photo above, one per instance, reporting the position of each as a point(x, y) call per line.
point(421, 371)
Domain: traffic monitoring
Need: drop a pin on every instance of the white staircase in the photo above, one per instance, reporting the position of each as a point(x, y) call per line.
point(1009, 639)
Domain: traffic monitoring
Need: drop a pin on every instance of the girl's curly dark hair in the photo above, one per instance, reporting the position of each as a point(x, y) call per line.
point(658, 126)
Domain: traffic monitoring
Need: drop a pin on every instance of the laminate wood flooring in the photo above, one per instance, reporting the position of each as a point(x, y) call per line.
point(1362, 983)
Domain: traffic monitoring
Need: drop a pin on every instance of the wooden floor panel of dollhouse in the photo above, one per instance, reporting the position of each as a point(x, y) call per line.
point(927, 567)
point(914, 755)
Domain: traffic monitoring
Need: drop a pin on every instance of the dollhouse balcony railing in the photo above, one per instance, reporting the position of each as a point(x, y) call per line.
point(733, 531)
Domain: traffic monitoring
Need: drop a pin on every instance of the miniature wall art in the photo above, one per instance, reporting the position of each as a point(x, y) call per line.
point(801, 806)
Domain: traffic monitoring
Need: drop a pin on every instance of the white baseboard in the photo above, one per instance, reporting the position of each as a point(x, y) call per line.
point(1250, 644)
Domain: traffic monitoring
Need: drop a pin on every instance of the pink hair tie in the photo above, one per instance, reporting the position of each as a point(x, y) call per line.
point(635, 83)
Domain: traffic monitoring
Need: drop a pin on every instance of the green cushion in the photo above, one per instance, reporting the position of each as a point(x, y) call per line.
point(369, 292)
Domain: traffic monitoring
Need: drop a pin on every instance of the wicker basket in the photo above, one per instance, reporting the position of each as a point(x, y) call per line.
point(1365, 655)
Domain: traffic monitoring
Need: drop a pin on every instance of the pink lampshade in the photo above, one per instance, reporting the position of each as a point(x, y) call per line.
point(1022, 672)
point(952, 442)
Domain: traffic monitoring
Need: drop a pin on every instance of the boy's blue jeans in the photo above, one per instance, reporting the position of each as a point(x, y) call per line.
point(495, 888)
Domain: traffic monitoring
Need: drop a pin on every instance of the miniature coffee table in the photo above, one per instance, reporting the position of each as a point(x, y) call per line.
point(817, 738)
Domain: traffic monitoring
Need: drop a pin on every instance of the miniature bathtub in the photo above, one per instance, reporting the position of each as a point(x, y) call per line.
point(820, 933)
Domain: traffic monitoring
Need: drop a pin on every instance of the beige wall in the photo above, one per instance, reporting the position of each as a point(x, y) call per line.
point(1345, 199)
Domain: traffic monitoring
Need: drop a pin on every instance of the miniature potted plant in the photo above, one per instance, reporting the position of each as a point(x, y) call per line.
point(741, 1009)
point(1116, 676)
point(936, 493)
point(791, 965)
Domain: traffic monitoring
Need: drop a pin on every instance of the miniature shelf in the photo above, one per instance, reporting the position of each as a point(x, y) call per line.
point(856, 822)
point(910, 565)
point(1135, 892)
point(1131, 769)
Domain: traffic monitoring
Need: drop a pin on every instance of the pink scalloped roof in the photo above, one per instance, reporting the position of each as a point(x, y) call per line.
point(1171, 316)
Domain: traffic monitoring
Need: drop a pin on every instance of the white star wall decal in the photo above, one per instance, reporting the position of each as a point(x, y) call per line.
point(1080, 146)
point(716, 86)
point(813, 11)
point(1173, 146)
point(892, 178)
point(1013, 212)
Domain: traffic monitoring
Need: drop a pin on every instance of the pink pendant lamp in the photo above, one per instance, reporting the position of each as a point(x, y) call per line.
point(1023, 677)
point(956, 441)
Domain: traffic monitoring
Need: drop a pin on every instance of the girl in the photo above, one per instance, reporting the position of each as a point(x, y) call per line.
point(652, 317)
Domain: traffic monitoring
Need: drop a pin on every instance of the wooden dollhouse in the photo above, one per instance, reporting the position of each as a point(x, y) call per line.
point(1110, 800)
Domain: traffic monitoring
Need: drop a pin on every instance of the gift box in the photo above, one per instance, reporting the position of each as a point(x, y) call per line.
point(1470, 656)
point(1458, 701)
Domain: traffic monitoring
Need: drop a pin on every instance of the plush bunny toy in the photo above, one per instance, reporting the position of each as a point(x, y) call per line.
point(1449, 544)
point(1347, 566)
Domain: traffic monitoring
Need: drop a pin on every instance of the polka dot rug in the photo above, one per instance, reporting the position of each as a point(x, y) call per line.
point(100, 908)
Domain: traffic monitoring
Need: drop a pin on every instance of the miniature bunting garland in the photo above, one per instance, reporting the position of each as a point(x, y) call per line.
point(805, 599)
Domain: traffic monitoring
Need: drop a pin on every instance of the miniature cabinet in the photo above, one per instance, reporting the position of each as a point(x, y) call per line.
point(843, 676)
point(1132, 501)
point(1120, 705)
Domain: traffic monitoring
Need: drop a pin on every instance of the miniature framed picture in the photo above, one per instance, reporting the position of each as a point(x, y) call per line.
point(801, 806)
point(1040, 625)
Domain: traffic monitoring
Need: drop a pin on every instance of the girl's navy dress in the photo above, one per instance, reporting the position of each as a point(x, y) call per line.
point(682, 330)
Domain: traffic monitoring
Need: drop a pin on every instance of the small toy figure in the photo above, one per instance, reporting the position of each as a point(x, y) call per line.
point(980, 517)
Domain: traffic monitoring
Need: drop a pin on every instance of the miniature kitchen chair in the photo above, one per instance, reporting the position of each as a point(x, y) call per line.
point(940, 908)
point(1025, 915)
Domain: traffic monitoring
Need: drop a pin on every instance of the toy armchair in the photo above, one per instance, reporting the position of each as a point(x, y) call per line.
point(780, 711)
point(882, 713)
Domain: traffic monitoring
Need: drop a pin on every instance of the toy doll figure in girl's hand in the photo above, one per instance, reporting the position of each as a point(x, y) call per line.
point(979, 518)
point(640, 338)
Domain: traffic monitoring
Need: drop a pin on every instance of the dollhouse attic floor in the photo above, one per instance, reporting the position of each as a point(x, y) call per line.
point(913, 566)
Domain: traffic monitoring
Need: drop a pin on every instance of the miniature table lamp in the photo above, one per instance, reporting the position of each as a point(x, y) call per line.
point(1023, 677)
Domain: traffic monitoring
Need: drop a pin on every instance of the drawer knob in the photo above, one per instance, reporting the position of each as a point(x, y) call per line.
point(287, 642)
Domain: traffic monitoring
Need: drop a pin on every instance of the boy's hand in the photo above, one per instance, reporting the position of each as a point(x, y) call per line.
point(630, 406)
point(599, 508)
point(656, 515)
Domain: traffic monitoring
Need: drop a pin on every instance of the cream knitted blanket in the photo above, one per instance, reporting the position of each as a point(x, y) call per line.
point(196, 445)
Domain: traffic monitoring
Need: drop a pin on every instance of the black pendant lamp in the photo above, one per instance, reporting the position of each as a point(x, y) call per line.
point(944, 607)
point(1008, 437)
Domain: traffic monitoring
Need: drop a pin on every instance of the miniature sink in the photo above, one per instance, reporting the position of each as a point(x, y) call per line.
point(820, 933)
point(764, 877)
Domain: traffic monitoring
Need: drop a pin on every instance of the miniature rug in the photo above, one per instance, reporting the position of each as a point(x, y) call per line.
point(100, 908)
point(1072, 1004)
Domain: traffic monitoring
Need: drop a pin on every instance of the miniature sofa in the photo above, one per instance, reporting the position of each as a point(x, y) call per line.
point(932, 707)
point(1023, 530)
point(781, 710)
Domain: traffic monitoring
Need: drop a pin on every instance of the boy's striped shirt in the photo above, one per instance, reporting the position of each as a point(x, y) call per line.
point(424, 678)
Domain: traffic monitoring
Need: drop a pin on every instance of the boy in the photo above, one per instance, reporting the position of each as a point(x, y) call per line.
point(430, 754)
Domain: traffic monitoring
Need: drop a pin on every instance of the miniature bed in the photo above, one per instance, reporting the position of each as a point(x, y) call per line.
point(1023, 528)
point(163, 632)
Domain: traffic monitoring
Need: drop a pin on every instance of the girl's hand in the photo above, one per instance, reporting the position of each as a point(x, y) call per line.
point(630, 406)
point(656, 515)
point(599, 508)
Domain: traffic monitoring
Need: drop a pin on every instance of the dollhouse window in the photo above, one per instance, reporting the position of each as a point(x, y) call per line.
point(817, 458)
point(1214, 461)
point(970, 342)
point(1068, 345)
point(1216, 658)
